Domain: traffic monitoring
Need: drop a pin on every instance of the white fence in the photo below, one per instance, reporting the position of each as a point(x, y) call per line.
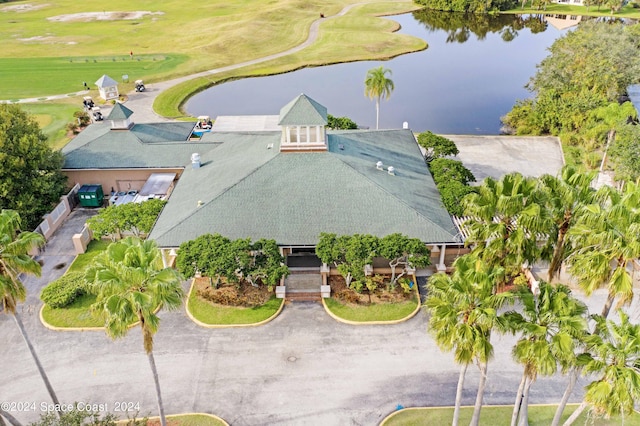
point(52, 221)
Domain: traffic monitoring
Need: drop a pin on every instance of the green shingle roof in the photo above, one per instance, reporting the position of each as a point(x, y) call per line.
point(144, 146)
point(303, 111)
point(119, 112)
point(248, 190)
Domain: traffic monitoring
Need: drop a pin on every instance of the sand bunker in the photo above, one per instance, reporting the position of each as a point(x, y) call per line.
point(101, 16)
point(22, 7)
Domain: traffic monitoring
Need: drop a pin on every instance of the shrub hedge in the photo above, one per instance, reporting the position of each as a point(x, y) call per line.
point(64, 291)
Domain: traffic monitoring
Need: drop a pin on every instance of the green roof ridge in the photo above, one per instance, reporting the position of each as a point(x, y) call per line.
point(303, 111)
point(119, 112)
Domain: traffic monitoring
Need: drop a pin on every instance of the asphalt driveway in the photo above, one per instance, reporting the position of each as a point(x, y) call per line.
point(303, 368)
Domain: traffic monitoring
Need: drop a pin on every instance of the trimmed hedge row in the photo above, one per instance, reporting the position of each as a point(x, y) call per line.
point(64, 291)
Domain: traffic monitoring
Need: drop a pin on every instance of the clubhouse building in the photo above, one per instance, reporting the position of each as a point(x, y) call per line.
point(284, 177)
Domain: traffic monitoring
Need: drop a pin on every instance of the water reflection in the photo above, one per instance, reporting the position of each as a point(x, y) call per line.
point(473, 72)
point(460, 26)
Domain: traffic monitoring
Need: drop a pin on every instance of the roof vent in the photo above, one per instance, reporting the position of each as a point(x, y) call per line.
point(195, 160)
point(200, 203)
point(341, 147)
point(379, 165)
point(391, 170)
point(405, 125)
point(269, 146)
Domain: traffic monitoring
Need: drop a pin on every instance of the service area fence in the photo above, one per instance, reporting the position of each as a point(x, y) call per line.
point(52, 221)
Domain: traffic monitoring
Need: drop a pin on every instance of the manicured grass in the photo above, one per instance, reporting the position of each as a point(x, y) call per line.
point(211, 314)
point(185, 420)
point(539, 415)
point(94, 248)
point(39, 53)
point(77, 314)
point(572, 9)
point(373, 312)
point(195, 420)
point(27, 77)
point(53, 119)
point(359, 35)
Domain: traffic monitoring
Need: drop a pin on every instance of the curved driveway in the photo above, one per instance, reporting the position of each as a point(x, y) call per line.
point(303, 368)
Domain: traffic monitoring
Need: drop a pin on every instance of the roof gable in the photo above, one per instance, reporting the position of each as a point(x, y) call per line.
point(303, 111)
point(106, 81)
point(119, 112)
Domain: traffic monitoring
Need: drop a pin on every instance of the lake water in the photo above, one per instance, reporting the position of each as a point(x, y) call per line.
point(462, 84)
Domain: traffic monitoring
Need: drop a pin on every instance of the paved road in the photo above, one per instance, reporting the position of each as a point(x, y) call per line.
point(301, 369)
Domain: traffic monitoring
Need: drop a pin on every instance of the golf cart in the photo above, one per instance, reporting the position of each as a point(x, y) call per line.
point(140, 86)
point(88, 103)
point(204, 123)
point(96, 114)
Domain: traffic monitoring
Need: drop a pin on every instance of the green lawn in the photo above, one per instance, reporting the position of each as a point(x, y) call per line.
point(359, 35)
point(185, 420)
point(539, 415)
point(44, 53)
point(94, 248)
point(571, 9)
point(77, 314)
point(373, 312)
point(208, 313)
point(25, 77)
point(53, 119)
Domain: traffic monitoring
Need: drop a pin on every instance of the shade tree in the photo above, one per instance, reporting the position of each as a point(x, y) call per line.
point(403, 251)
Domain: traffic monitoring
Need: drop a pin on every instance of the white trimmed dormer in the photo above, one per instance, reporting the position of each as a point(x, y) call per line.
point(303, 122)
point(119, 117)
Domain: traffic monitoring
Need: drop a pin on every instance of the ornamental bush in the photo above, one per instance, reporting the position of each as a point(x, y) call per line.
point(64, 291)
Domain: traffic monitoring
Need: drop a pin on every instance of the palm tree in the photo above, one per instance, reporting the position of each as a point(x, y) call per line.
point(377, 86)
point(550, 324)
point(565, 195)
point(615, 354)
point(463, 309)
point(131, 285)
point(14, 261)
point(606, 243)
point(505, 219)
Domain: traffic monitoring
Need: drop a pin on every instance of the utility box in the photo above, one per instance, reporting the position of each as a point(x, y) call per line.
point(91, 195)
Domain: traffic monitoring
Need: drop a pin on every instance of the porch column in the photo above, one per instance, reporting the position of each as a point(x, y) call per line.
point(165, 262)
point(441, 266)
point(288, 132)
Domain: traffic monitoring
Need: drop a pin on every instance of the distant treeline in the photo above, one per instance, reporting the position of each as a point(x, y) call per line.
point(470, 6)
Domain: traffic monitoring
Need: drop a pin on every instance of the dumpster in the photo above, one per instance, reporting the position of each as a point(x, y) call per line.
point(91, 195)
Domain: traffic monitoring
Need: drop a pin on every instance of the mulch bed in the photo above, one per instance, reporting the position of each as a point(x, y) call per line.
point(341, 292)
point(232, 294)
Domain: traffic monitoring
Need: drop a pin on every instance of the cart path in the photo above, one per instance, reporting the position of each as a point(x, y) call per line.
point(142, 103)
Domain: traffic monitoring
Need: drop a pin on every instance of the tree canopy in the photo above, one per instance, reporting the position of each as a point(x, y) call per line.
point(137, 218)
point(219, 257)
point(377, 86)
point(31, 182)
point(578, 87)
point(340, 123)
point(436, 146)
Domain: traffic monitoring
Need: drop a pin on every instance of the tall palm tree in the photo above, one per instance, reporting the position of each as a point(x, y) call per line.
point(15, 260)
point(377, 86)
point(131, 285)
point(615, 355)
point(463, 309)
point(550, 323)
point(505, 219)
point(606, 243)
point(565, 195)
